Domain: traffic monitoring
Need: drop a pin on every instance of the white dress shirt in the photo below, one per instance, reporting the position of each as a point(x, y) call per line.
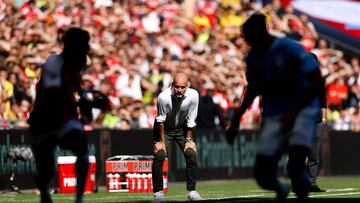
point(174, 112)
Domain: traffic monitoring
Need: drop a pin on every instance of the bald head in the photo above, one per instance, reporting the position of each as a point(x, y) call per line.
point(180, 84)
point(181, 78)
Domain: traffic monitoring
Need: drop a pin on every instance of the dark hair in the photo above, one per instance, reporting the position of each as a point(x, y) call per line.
point(76, 39)
point(254, 28)
point(76, 47)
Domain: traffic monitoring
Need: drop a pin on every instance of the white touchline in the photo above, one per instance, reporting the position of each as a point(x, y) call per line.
point(337, 194)
point(240, 196)
point(327, 190)
point(341, 190)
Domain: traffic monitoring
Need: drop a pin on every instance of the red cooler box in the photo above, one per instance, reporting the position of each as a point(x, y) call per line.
point(131, 173)
point(67, 176)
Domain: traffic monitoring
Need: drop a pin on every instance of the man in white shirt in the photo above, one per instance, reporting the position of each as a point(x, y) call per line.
point(177, 110)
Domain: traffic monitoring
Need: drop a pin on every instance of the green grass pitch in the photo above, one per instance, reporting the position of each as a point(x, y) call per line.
point(339, 189)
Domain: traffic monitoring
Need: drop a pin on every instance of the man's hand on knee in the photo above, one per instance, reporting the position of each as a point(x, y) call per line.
point(190, 145)
point(159, 146)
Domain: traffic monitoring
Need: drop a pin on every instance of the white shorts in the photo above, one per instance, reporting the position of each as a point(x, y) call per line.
point(274, 142)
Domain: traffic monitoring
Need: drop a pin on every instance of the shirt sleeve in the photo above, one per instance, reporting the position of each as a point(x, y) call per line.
point(193, 111)
point(162, 110)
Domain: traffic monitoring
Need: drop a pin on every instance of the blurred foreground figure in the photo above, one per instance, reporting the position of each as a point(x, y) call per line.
point(177, 110)
point(288, 81)
point(55, 119)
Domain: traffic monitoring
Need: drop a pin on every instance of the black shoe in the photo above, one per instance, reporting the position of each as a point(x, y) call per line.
point(315, 188)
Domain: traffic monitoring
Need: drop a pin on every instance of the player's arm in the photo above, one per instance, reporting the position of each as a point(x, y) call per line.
point(233, 128)
point(190, 124)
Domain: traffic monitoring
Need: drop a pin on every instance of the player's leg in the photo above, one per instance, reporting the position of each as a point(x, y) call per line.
point(76, 141)
point(271, 146)
point(265, 172)
point(265, 175)
point(300, 144)
point(45, 163)
point(296, 168)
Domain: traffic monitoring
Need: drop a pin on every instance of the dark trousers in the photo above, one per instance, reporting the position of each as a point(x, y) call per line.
point(178, 136)
point(313, 161)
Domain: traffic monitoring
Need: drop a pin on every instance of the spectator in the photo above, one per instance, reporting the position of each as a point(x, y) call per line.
point(210, 115)
point(231, 22)
point(336, 94)
point(7, 90)
point(147, 117)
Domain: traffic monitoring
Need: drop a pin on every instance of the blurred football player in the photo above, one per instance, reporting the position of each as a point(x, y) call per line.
point(54, 119)
point(288, 80)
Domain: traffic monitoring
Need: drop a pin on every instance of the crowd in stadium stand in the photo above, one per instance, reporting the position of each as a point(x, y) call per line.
point(136, 45)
